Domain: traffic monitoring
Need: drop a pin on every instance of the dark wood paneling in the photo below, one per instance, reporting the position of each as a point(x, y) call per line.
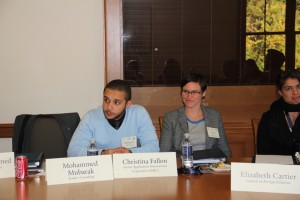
point(6, 130)
point(235, 103)
point(240, 138)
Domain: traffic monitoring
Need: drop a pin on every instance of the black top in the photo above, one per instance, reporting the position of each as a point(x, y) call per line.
point(274, 135)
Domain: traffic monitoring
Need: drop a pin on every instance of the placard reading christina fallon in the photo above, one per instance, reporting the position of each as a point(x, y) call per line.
point(144, 165)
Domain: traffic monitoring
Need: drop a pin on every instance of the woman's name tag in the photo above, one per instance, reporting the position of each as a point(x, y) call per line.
point(213, 132)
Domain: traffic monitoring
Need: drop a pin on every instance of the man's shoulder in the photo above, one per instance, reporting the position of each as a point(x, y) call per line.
point(136, 108)
point(93, 112)
point(138, 112)
point(174, 113)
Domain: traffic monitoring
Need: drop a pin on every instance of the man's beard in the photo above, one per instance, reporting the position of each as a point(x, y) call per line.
point(117, 117)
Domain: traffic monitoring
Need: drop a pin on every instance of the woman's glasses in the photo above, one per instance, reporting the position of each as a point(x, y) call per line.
point(193, 93)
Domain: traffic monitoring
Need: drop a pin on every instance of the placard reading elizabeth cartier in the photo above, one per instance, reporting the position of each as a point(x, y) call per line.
point(273, 178)
point(136, 165)
point(79, 169)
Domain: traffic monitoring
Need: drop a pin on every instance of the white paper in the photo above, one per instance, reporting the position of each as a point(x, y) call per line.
point(208, 161)
point(79, 169)
point(272, 178)
point(7, 165)
point(134, 165)
point(275, 159)
point(213, 132)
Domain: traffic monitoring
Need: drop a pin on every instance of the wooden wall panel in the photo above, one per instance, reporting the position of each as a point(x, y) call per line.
point(236, 103)
point(113, 47)
point(241, 139)
point(6, 130)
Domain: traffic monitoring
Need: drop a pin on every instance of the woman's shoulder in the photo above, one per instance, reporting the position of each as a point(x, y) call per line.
point(174, 113)
point(210, 110)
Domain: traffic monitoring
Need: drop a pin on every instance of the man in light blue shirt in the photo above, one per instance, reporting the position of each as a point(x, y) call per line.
point(117, 126)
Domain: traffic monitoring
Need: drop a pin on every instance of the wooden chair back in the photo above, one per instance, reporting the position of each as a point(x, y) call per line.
point(160, 120)
point(255, 123)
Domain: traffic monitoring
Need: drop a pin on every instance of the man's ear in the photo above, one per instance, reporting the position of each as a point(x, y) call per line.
point(204, 94)
point(128, 104)
point(279, 92)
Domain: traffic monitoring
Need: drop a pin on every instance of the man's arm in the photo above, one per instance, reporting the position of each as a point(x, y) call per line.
point(146, 133)
point(81, 138)
point(115, 150)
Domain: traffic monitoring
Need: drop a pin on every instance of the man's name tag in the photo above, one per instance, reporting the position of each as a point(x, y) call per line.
point(129, 142)
point(273, 178)
point(135, 165)
point(7, 165)
point(79, 169)
point(213, 132)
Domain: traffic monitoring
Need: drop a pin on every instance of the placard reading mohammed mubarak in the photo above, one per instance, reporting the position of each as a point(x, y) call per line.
point(273, 178)
point(79, 169)
point(135, 165)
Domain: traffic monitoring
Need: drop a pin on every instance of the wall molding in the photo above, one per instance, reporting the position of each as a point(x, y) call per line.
point(6, 130)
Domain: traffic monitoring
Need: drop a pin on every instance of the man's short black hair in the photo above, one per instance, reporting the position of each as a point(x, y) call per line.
point(120, 85)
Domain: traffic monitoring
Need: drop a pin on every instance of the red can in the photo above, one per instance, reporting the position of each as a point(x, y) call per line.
point(21, 167)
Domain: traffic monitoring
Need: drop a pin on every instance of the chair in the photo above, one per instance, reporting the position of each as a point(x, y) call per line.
point(158, 132)
point(160, 120)
point(47, 133)
point(255, 123)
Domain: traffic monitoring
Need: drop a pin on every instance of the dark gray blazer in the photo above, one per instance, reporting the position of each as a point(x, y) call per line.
point(175, 125)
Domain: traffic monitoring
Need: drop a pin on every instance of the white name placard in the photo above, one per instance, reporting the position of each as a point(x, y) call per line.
point(135, 165)
point(79, 169)
point(7, 165)
point(273, 178)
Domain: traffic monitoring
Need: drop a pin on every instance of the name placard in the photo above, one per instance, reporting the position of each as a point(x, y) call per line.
point(7, 165)
point(273, 178)
point(135, 165)
point(79, 169)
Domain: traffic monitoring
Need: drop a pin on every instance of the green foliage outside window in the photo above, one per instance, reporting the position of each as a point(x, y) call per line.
point(265, 26)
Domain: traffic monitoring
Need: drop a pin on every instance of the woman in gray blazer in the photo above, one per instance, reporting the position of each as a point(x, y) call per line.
point(204, 124)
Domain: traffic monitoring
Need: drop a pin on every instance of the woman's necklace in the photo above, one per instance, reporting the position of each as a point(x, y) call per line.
point(291, 121)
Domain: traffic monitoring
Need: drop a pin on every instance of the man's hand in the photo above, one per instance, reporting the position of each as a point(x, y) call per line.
point(115, 150)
